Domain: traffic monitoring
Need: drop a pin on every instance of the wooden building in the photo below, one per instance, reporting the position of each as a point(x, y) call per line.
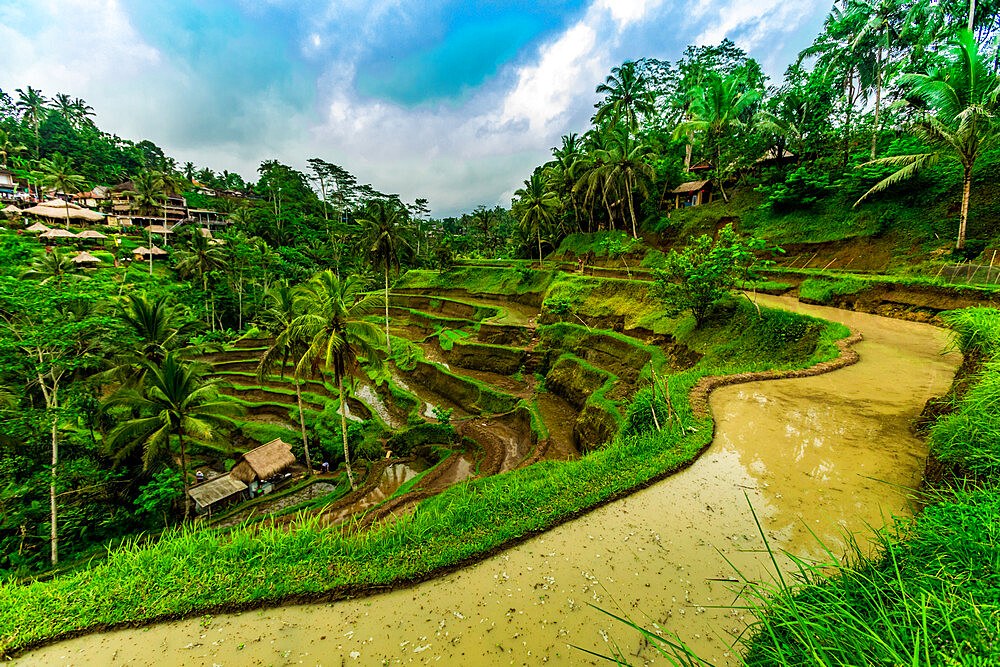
point(266, 466)
point(216, 493)
point(692, 193)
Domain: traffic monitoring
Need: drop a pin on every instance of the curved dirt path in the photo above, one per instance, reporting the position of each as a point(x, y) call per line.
point(806, 451)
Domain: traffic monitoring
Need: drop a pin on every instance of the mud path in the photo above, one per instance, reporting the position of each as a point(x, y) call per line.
point(805, 451)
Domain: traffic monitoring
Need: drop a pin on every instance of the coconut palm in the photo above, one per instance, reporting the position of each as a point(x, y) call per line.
point(148, 192)
point(32, 105)
point(56, 266)
point(624, 170)
point(62, 104)
point(535, 207)
point(963, 120)
point(333, 327)
point(158, 329)
point(8, 147)
point(199, 259)
point(82, 112)
point(58, 174)
point(716, 111)
point(289, 344)
point(385, 234)
point(626, 96)
point(175, 400)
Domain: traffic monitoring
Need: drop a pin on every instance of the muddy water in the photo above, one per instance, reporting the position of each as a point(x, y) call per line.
point(804, 451)
point(559, 418)
point(393, 477)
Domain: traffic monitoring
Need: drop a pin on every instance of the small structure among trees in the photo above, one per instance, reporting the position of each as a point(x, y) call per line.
point(260, 467)
point(216, 493)
point(692, 193)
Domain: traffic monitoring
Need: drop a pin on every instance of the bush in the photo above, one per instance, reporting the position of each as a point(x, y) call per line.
point(800, 190)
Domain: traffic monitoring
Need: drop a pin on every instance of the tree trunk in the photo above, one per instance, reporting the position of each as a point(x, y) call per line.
point(972, 14)
point(302, 425)
point(849, 94)
point(722, 188)
point(964, 220)
point(54, 536)
point(184, 477)
point(388, 343)
point(539, 244)
point(631, 208)
point(343, 430)
point(67, 215)
point(878, 100)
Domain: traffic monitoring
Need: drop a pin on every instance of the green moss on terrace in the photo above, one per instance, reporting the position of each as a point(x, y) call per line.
point(193, 571)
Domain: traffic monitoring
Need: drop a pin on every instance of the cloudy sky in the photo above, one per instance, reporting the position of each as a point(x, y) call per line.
point(453, 100)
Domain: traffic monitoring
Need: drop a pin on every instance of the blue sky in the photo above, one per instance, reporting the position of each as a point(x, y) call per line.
point(454, 101)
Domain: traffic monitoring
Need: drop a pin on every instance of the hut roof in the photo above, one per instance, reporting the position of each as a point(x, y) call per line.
point(85, 258)
point(58, 234)
point(37, 227)
point(216, 489)
point(704, 164)
point(690, 186)
point(158, 229)
point(10, 208)
point(773, 154)
point(264, 462)
point(155, 250)
point(90, 234)
point(60, 210)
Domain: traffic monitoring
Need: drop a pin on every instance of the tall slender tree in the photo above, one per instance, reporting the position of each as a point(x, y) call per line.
point(385, 237)
point(58, 173)
point(535, 207)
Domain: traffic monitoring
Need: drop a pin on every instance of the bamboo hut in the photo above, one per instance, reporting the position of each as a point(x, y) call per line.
point(692, 193)
point(216, 493)
point(53, 234)
point(57, 209)
point(259, 467)
point(10, 212)
point(37, 227)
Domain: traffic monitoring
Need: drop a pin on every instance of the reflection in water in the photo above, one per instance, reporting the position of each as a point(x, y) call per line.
point(392, 478)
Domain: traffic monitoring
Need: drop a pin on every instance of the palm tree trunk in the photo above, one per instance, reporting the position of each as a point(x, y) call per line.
point(343, 430)
point(849, 94)
point(972, 14)
point(718, 172)
point(539, 244)
point(388, 343)
point(878, 100)
point(184, 477)
point(67, 214)
point(54, 533)
point(631, 208)
point(302, 425)
point(964, 220)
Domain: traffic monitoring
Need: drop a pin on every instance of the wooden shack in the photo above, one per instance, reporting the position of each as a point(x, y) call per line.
point(692, 193)
point(216, 493)
point(265, 466)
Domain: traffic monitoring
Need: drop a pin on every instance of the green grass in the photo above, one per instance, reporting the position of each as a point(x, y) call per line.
point(821, 290)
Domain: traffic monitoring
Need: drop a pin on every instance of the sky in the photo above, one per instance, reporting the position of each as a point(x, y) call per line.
point(452, 100)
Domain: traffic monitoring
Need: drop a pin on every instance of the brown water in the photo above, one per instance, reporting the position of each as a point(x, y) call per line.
point(805, 452)
point(393, 477)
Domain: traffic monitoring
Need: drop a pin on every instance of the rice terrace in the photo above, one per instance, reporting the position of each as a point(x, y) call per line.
point(714, 381)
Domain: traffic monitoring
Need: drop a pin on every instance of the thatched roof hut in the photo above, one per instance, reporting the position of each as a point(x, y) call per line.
point(692, 193)
point(37, 227)
point(214, 491)
point(58, 234)
point(91, 234)
point(85, 258)
point(264, 462)
point(11, 211)
point(156, 251)
point(158, 229)
point(57, 209)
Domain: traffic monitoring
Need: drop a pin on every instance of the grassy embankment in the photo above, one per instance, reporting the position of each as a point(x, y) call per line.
point(931, 596)
point(191, 571)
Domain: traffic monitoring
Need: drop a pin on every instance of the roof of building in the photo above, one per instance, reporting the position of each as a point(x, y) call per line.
point(37, 227)
point(216, 489)
point(774, 155)
point(90, 234)
point(704, 164)
point(58, 234)
point(690, 186)
point(85, 258)
point(264, 462)
point(156, 251)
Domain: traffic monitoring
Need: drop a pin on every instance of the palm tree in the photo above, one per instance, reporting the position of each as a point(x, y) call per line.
point(289, 343)
point(148, 192)
point(189, 171)
point(535, 206)
point(62, 104)
point(626, 96)
point(335, 333)
point(384, 234)
point(58, 174)
point(8, 147)
point(32, 106)
point(624, 170)
point(82, 112)
point(484, 218)
point(716, 110)
point(157, 328)
point(200, 259)
point(963, 101)
point(56, 266)
point(175, 400)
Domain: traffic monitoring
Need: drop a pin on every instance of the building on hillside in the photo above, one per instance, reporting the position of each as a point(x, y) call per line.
point(702, 167)
point(775, 158)
point(265, 467)
point(692, 193)
point(216, 493)
point(127, 212)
